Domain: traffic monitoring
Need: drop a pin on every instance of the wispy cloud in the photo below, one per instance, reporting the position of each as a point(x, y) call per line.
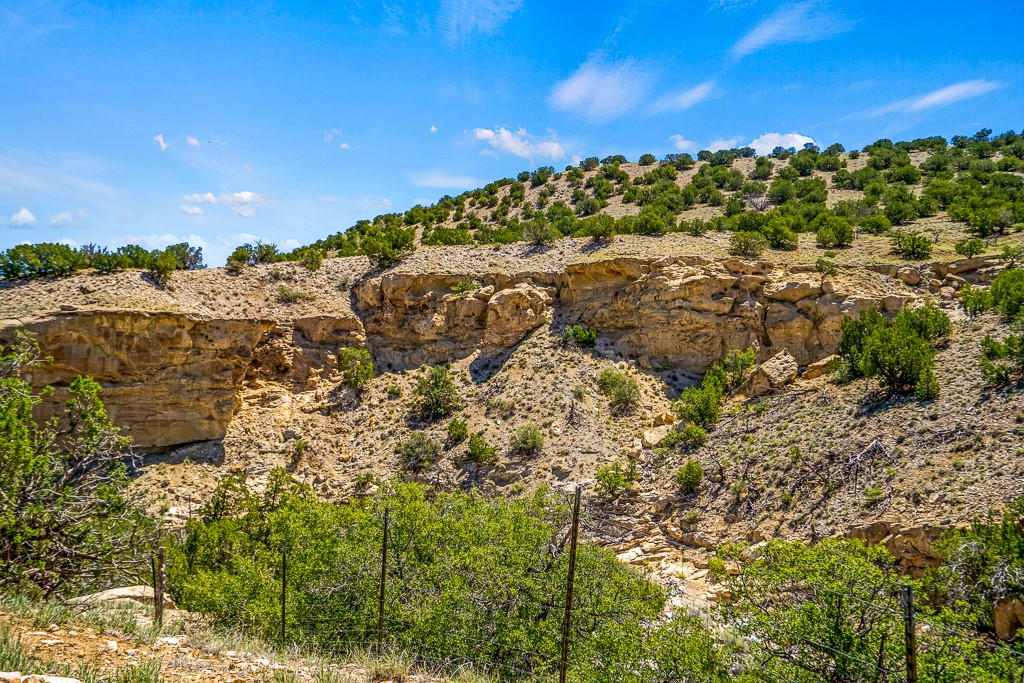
point(682, 101)
point(65, 218)
point(192, 141)
point(769, 141)
point(159, 140)
point(433, 129)
point(441, 180)
point(799, 22)
point(190, 210)
point(518, 144)
point(724, 143)
point(60, 179)
point(682, 144)
point(599, 91)
point(196, 198)
point(942, 97)
point(162, 240)
point(460, 19)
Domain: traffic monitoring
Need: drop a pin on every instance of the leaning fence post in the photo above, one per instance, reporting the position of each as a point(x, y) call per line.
point(563, 666)
point(158, 587)
point(383, 579)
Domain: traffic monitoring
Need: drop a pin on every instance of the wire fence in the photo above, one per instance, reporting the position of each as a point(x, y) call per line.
point(803, 658)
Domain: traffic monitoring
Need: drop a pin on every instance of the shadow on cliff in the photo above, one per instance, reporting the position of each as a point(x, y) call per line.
point(208, 452)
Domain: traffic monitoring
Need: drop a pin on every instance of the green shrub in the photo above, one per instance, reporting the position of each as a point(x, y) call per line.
point(699, 405)
point(438, 396)
point(288, 295)
point(312, 259)
point(163, 264)
point(976, 301)
point(1008, 293)
point(875, 224)
point(1002, 361)
point(747, 244)
point(418, 452)
point(911, 245)
point(580, 335)
point(457, 431)
point(481, 452)
point(737, 365)
point(825, 267)
point(464, 286)
point(464, 570)
point(611, 480)
point(689, 438)
point(969, 248)
point(527, 441)
point(356, 368)
point(689, 477)
point(898, 354)
point(622, 391)
point(834, 231)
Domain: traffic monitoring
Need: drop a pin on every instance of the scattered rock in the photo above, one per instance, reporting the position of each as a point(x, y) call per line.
point(819, 368)
point(652, 437)
point(1008, 615)
point(128, 595)
point(664, 419)
point(774, 373)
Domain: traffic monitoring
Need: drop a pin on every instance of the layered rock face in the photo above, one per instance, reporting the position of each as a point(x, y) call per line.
point(168, 379)
point(683, 313)
point(172, 378)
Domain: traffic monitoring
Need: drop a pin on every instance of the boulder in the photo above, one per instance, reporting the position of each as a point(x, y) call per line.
point(819, 368)
point(1008, 615)
point(776, 372)
point(909, 275)
point(652, 437)
point(513, 312)
point(138, 595)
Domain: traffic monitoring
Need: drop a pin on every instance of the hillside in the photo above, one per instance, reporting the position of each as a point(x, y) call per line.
point(221, 371)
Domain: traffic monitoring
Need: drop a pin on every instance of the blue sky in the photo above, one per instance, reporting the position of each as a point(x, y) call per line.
point(219, 123)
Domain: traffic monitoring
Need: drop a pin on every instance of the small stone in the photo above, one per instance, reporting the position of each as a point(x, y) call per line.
point(51, 641)
point(111, 646)
point(68, 307)
point(169, 641)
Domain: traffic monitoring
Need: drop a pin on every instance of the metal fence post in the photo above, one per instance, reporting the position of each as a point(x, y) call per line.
point(383, 579)
point(158, 587)
point(910, 633)
point(284, 587)
point(563, 666)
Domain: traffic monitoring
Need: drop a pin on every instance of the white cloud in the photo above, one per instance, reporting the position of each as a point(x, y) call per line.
point(518, 143)
point(459, 19)
point(684, 100)
point(23, 218)
point(68, 241)
point(442, 180)
point(769, 141)
point(248, 168)
point(602, 92)
point(798, 22)
point(433, 129)
point(159, 139)
point(163, 240)
point(344, 145)
point(682, 144)
point(942, 97)
point(724, 143)
point(241, 203)
point(192, 141)
point(331, 134)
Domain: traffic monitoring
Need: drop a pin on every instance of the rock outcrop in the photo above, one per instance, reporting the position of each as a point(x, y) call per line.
point(172, 378)
point(167, 378)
